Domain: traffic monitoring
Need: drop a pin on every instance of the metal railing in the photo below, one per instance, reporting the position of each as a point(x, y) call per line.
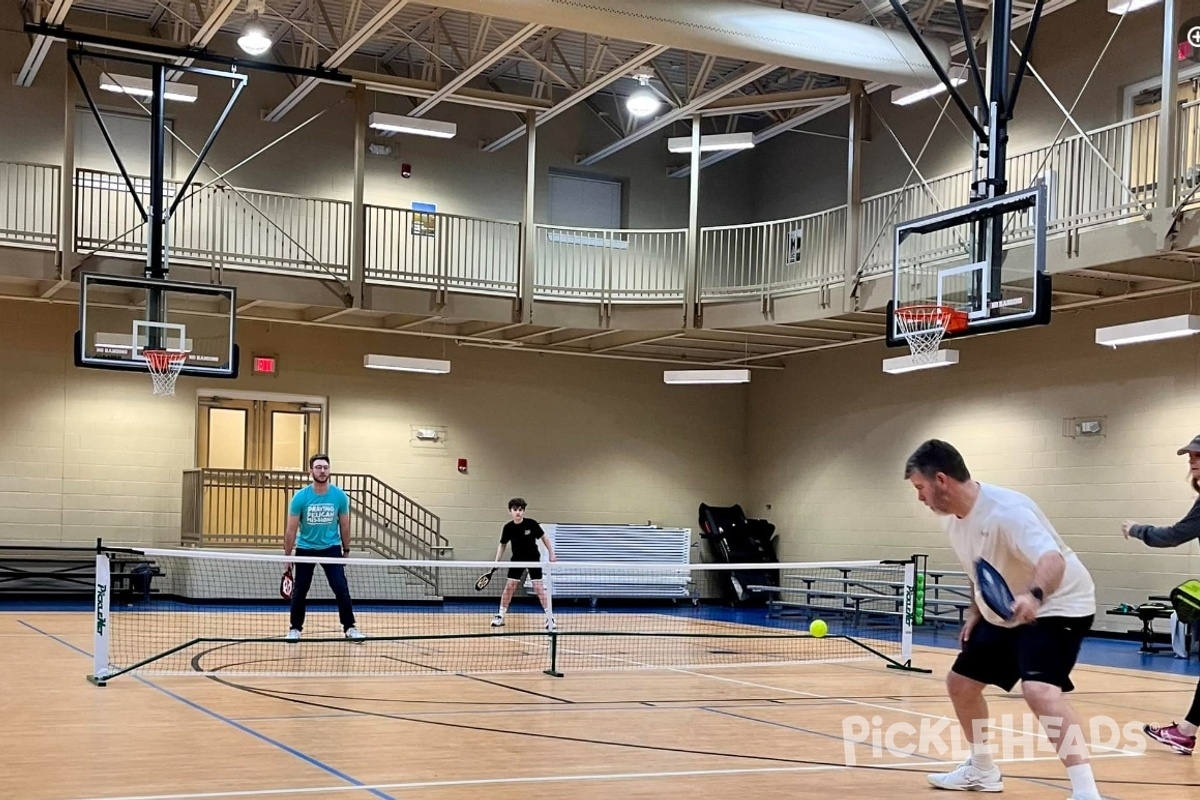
point(1107, 177)
point(772, 258)
point(442, 251)
point(612, 266)
point(217, 226)
point(29, 200)
point(248, 508)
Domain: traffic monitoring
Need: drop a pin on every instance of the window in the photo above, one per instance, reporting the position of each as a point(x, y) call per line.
point(584, 202)
point(131, 136)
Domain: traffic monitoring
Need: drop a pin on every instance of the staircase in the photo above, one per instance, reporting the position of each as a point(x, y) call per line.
point(248, 508)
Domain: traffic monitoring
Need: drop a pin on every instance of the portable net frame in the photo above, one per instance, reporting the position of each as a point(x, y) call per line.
point(204, 612)
point(924, 326)
point(164, 367)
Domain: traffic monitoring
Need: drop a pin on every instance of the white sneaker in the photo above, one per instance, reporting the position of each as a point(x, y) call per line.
point(550, 625)
point(355, 634)
point(968, 778)
point(293, 635)
point(498, 621)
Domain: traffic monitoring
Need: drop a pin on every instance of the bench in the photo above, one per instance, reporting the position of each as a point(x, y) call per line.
point(616, 544)
point(44, 571)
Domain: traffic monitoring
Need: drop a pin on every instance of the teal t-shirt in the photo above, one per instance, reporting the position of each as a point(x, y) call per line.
point(318, 515)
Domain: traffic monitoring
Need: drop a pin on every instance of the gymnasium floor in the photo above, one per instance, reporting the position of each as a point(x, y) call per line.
point(765, 731)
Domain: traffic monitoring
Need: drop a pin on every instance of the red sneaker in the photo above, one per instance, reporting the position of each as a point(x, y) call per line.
point(1171, 737)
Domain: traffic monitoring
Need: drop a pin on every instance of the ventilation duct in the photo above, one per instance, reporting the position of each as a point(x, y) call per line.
point(735, 29)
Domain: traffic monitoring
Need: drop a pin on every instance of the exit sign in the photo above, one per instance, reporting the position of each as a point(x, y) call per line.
point(265, 365)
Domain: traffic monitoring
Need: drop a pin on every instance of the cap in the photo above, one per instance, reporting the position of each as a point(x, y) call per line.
point(1191, 447)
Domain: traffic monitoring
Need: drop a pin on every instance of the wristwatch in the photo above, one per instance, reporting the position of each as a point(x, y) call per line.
point(1037, 592)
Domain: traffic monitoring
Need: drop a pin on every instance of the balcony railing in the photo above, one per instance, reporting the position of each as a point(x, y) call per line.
point(1108, 176)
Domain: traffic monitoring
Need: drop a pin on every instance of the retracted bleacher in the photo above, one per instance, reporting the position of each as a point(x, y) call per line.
point(631, 544)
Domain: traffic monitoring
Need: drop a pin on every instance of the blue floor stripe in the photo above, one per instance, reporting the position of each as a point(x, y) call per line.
point(243, 728)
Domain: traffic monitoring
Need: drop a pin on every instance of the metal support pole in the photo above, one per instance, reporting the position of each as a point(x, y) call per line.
point(529, 255)
point(1168, 111)
point(155, 256)
point(691, 294)
point(358, 218)
point(66, 211)
point(998, 113)
point(854, 195)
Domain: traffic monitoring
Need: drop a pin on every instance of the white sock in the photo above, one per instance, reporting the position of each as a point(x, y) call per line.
point(1083, 783)
point(502, 611)
point(1186, 728)
point(981, 757)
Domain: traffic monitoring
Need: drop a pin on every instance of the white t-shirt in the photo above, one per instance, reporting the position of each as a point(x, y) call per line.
point(1011, 532)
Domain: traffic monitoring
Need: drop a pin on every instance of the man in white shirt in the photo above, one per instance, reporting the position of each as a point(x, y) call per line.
point(1054, 609)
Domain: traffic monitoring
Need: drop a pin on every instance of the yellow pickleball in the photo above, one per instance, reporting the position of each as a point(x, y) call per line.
point(818, 628)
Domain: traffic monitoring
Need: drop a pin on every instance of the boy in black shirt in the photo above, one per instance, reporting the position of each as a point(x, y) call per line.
point(524, 534)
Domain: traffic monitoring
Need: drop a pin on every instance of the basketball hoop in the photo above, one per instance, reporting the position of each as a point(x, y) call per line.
point(924, 327)
point(164, 366)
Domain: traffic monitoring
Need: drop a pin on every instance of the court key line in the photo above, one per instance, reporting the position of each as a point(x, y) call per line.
point(237, 725)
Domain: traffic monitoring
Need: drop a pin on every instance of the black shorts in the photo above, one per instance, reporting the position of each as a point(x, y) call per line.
point(516, 573)
point(1044, 652)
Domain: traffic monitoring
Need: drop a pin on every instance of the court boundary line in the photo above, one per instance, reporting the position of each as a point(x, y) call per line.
point(532, 779)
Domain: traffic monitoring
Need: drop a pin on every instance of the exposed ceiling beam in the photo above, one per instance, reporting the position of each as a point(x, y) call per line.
point(577, 97)
point(731, 85)
point(1019, 20)
point(338, 57)
point(221, 12)
point(476, 69)
point(775, 101)
point(482, 98)
point(41, 44)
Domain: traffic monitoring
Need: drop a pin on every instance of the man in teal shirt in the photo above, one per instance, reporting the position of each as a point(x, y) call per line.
point(320, 515)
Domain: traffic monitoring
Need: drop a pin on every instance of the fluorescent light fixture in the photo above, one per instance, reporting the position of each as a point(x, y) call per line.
point(143, 87)
point(915, 94)
point(896, 366)
point(398, 123)
point(254, 39)
point(681, 376)
point(1126, 6)
point(1151, 330)
point(708, 144)
point(403, 364)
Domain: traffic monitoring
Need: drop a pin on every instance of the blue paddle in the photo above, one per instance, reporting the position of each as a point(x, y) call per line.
point(995, 591)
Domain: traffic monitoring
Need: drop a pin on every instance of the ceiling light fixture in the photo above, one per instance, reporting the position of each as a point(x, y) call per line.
point(398, 123)
point(403, 364)
point(698, 376)
point(144, 87)
point(712, 143)
point(1150, 330)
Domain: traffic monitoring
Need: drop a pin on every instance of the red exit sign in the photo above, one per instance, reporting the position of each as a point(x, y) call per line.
point(265, 364)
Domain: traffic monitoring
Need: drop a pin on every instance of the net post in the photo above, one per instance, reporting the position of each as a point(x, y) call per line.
point(553, 671)
point(100, 636)
point(914, 610)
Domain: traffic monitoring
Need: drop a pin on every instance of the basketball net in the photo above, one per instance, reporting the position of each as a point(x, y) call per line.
point(924, 326)
point(164, 366)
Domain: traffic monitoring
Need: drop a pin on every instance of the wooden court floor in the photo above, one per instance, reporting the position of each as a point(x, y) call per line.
point(765, 732)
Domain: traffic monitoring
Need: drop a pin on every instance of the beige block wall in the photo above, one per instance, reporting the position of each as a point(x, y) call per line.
point(830, 436)
point(91, 453)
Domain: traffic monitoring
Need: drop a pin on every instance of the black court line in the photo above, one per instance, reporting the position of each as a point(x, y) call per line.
point(517, 689)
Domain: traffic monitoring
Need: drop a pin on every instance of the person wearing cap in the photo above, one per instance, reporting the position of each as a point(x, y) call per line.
point(1181, 736)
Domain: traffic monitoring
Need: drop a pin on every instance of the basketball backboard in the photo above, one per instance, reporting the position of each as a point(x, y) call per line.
point(986, 260)
point(120, 317)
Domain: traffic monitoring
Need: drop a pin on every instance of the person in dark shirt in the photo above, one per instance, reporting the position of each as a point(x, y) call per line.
point(1181, 737)
point(524, 534)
